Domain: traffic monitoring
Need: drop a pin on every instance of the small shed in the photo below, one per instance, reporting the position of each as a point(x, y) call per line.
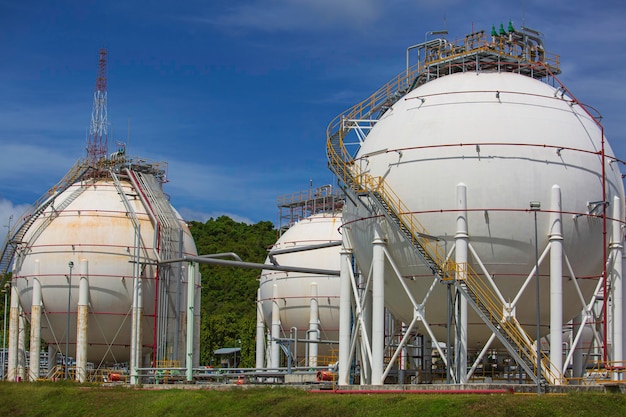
point(229, 357)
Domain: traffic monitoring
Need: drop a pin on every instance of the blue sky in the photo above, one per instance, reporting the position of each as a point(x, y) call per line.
point(236, 95)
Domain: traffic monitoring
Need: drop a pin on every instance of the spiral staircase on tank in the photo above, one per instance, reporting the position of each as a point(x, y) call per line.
point(359, 185)
point(16, 235)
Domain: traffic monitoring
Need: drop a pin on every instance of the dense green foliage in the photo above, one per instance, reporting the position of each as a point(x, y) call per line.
point(67, 400)
point(228, 293)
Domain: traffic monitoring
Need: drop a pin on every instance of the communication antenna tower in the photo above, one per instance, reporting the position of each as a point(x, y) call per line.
point(98, 128)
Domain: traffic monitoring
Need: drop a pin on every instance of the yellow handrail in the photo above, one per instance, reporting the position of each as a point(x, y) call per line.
point(509, 324)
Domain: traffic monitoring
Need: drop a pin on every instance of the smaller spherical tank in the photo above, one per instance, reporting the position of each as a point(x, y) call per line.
point(95, 233)
point(295, 289)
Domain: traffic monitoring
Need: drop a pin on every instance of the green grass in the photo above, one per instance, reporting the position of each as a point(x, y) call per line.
point(67, 399)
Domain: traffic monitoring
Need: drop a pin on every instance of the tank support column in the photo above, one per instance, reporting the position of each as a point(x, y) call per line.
point(275, 348)
point(35, 327)
point(461, 239)
point(260, 332)
point(13, 333)
point(21, 347)
point(556, 284)
point(314, 327)
point(345, 316)
point(378, 307)
point(617, 252)
point(82, 323)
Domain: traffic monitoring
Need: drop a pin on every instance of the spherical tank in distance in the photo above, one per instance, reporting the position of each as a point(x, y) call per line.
point(295, 289)
point(509, 139)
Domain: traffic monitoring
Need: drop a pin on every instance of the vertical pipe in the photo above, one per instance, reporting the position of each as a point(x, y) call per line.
point(197, 317)
point(82, 323)
point(345, 316)
point(294, 352)
point(191, 286)
point(617, 250)
point(13, 332)
point(178, 270)
point(461, 239)
point(448, 328)
point(275, 348)
point(535, 206)
point(402, 359)
point(314, 325)
point(623, 296)
point(4, 331)
point(137, 312)
point(35, 327)
point(67, 335)
point(260, 332)
point(556, 284)
point(427, 358)
point(605, 316)
point(378, 307)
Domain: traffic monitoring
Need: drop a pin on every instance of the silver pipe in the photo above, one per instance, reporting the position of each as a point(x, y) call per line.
point(221, 255)
point(251, 265)
point(535, 36)
point(300, 249)
point(304, 248)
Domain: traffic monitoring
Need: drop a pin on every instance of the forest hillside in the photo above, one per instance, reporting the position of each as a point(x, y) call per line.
point(229, 294)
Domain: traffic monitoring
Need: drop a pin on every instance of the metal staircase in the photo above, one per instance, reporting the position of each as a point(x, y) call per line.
point(168, 245)
point(170, 228)
point(357, 183)
point(505, 326)
point(56, 211)
point(17, 233)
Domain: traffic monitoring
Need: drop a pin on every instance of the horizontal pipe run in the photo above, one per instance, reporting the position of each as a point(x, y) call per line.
point(222, 255)
point(251, 265)
point(306, 248)
point(273, 253)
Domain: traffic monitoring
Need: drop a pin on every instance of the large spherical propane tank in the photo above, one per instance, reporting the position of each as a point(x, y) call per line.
point(526, 137)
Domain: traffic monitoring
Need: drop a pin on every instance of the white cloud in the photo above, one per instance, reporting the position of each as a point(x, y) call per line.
point(300, 15)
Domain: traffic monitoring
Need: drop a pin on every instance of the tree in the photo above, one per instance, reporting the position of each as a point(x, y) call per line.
point(228, 308)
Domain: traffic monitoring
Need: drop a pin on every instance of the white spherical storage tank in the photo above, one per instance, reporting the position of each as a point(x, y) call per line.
point(291, 294)
point(508, 139)
point(95, 234)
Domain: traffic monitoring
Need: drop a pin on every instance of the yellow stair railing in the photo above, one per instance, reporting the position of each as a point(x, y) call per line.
point(494, 312)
